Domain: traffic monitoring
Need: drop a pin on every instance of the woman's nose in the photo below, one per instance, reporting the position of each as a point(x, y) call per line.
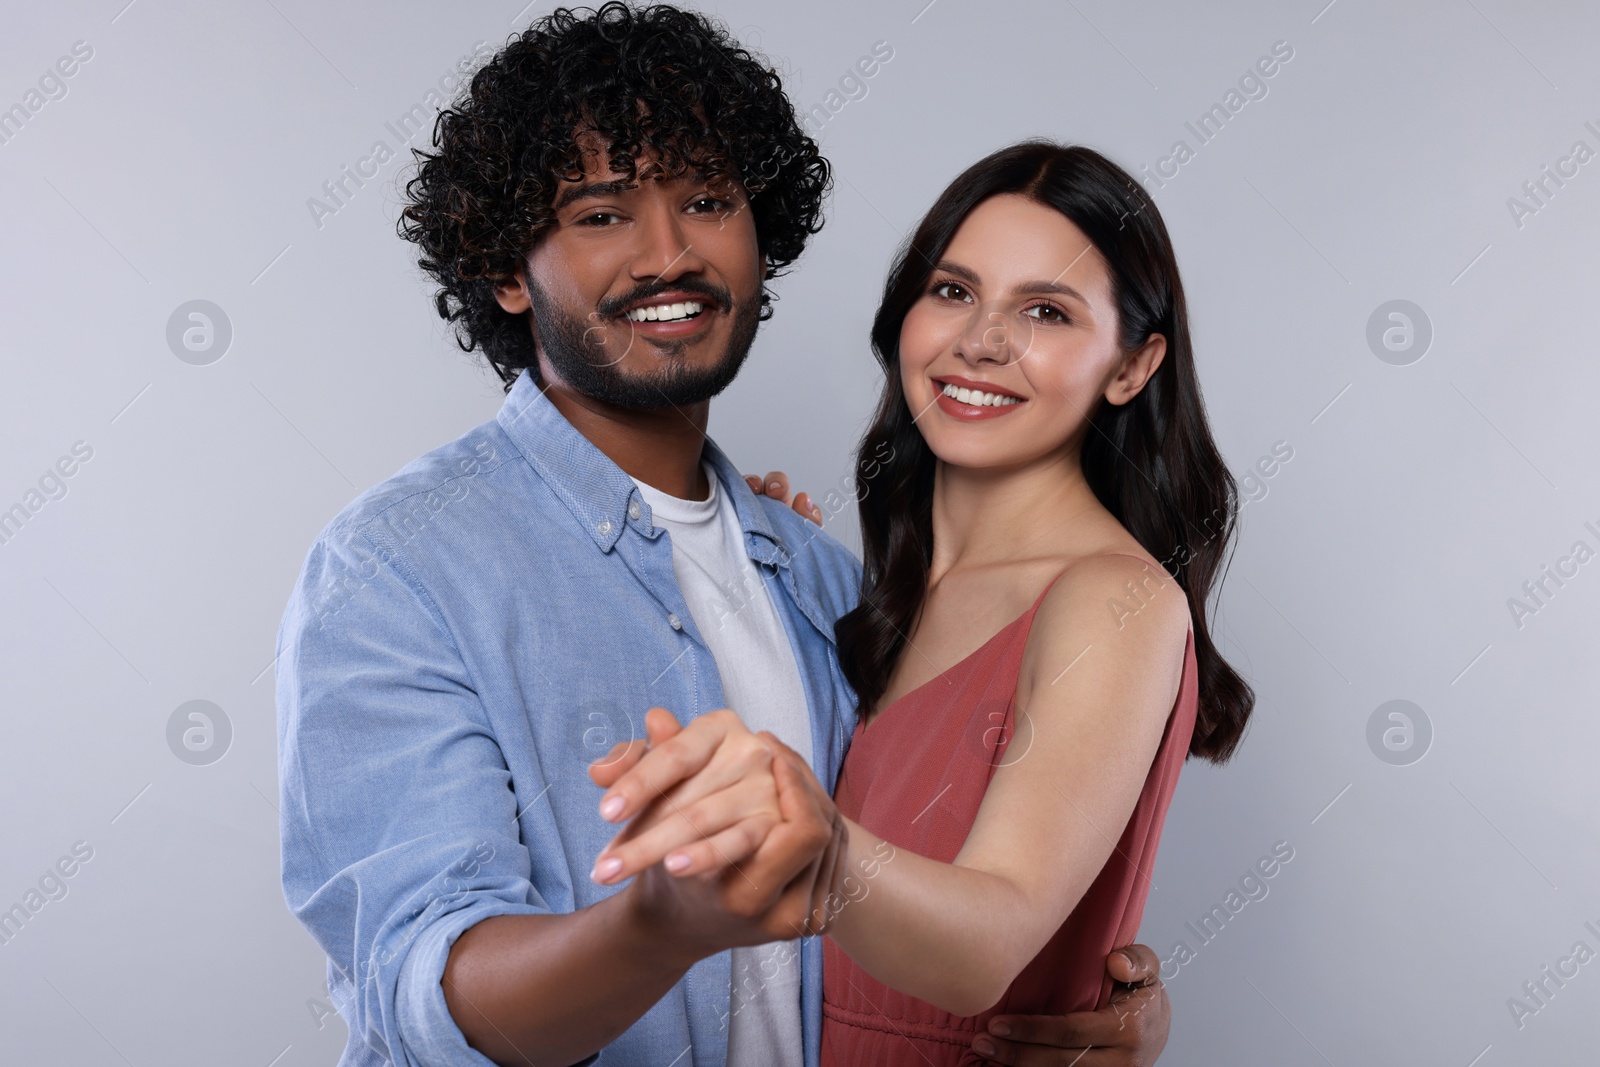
point(987, 336)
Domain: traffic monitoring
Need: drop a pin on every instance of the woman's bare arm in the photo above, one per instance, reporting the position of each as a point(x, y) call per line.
point(1093, 697)
point(1096, 686)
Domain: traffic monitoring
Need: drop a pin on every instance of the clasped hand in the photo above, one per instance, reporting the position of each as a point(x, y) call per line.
point(726, 812)
point(758, 848)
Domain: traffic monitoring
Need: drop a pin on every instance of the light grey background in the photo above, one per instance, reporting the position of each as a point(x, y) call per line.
point(1377, 566)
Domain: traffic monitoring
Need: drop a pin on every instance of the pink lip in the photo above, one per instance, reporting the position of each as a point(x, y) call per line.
point(972, 412)
point(681, 328)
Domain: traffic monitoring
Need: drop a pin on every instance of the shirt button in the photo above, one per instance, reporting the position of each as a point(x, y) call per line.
point(633, 509)
point(675, 622)
point(604, 527)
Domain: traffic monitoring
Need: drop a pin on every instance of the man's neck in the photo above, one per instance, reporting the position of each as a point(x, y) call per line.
point(660, 447)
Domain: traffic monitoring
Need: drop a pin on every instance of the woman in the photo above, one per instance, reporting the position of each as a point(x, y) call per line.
point(1042, 522)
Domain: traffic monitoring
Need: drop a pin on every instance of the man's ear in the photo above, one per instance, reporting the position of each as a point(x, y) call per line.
point(512, 295)
point(1137, 368)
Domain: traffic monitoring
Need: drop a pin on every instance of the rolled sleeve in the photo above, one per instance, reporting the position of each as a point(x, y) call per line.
point(431, 1035)
point(398, 819)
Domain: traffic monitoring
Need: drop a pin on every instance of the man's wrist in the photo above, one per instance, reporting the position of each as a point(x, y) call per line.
point(651, 925)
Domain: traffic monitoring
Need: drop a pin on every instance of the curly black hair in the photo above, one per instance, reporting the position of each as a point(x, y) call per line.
point(656, 79)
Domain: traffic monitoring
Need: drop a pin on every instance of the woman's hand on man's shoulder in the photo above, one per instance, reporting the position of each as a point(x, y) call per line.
point(776, 485)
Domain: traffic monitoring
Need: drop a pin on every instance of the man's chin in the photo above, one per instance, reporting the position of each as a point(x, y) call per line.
point(683, 388)
point(672, 383)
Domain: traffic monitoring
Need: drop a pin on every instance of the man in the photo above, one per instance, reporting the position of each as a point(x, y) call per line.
point(466, 637)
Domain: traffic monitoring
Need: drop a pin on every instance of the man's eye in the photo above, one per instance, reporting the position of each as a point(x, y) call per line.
point(710, 204)
point(598, 218)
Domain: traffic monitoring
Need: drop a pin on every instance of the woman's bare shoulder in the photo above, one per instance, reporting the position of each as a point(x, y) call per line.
point(1125, 605)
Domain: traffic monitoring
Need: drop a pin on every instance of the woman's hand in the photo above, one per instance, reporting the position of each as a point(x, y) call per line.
point(676, 782)
point(700, 799)
point(776, 486)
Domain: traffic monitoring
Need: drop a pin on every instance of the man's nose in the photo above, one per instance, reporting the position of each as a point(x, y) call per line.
point(664, 251)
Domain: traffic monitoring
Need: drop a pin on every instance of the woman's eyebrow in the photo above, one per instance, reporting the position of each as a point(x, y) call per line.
point(1051, 287)
point(967, 274)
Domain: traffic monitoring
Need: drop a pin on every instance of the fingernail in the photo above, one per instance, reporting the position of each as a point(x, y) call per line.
point(677, 861)
point(605, 870)
point(984, 1047)
point(612, 808)
point(773, 486)
point(999, 1029)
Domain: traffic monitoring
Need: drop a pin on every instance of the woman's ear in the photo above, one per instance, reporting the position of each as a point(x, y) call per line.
point(1137, 368)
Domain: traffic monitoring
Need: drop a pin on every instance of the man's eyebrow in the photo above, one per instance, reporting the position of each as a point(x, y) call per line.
point(595, 190)
point(592, 191)
point(967, 274)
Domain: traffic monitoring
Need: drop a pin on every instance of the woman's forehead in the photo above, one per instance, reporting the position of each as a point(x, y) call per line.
point(1011, 241)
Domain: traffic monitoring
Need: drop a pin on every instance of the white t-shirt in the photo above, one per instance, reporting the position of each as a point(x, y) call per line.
point(761, 682)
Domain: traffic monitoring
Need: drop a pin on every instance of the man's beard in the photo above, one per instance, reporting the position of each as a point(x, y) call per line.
point(585, 366)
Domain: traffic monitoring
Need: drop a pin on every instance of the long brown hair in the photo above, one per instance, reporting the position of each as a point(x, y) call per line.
point(1151, 462)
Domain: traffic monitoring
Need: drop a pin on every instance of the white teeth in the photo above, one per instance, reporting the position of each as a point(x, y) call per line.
point(978, 398)
point(666, 312)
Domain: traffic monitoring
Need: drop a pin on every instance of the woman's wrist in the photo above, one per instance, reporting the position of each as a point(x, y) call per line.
point(866, 855)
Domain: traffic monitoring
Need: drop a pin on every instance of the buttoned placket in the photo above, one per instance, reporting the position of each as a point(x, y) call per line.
point(617, 521)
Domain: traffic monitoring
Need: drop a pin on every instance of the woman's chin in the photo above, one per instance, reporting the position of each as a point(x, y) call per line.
point(967, 455)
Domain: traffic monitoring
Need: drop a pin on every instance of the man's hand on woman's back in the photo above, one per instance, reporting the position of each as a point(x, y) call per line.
point(1131, 1031)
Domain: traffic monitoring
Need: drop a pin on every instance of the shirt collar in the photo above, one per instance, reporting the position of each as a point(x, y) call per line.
point(598, 492)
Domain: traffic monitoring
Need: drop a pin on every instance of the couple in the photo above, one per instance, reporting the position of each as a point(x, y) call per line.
point(953, 762)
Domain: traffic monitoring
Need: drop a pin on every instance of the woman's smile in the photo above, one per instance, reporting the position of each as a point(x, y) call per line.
point(973, 401)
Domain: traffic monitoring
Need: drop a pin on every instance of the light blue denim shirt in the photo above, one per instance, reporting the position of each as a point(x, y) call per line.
point(464, 638)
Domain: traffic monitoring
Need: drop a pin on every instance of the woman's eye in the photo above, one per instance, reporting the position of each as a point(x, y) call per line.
point(950, 290)
point(1047, 313)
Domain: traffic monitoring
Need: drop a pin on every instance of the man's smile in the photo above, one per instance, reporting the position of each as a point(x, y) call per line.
point(673, 315)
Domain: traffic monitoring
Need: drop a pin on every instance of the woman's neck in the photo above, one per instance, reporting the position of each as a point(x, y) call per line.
point(983, 516)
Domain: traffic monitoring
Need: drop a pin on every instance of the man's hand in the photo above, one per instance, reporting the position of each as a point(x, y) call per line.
point(776, 485)
point(1130, 1031)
